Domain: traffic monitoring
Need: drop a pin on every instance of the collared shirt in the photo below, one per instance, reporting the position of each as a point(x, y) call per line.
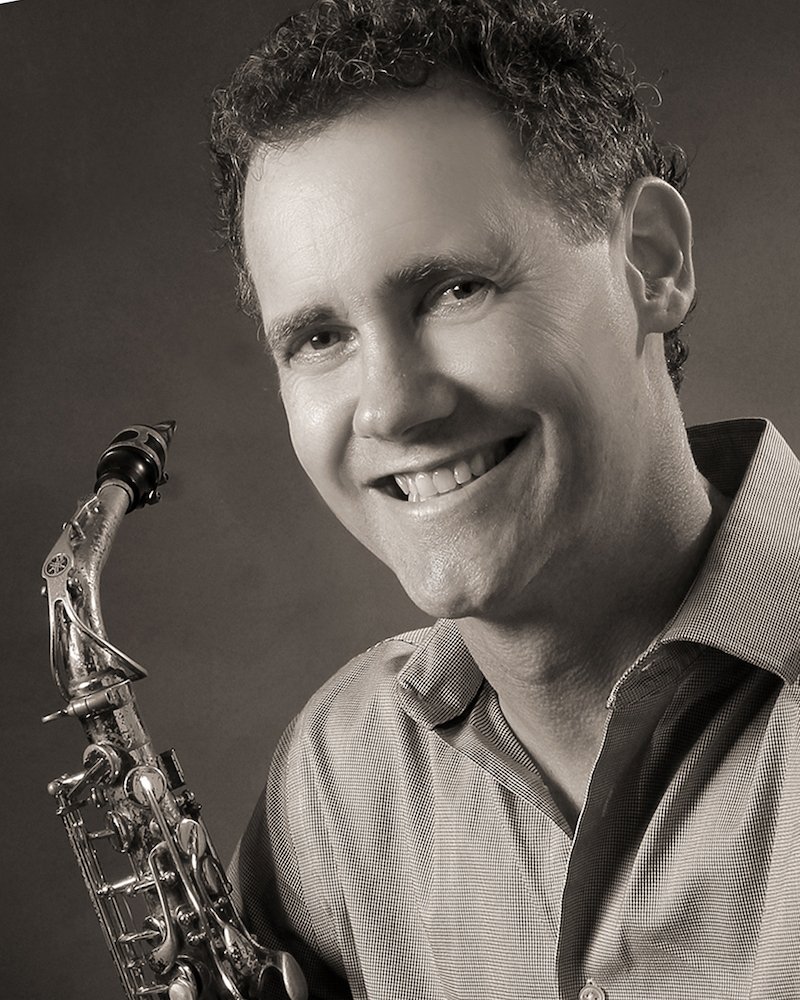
point(407, 849)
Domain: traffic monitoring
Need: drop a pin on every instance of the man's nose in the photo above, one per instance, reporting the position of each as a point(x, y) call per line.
point(402, 388)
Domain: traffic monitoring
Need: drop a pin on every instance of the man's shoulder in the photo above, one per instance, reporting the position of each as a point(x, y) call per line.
point(361, 700)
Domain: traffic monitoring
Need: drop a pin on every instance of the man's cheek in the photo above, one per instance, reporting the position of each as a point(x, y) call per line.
point(311, 424)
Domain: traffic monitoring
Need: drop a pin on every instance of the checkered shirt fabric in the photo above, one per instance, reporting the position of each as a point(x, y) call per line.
point(407, 849)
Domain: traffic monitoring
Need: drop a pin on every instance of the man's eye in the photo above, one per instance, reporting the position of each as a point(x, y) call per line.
point(464, 289)
point(320, 349)
point(318, 342)
point(457, 295)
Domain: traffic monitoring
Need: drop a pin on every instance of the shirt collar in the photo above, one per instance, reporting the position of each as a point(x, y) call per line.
point(440, 680)
point(744, 601)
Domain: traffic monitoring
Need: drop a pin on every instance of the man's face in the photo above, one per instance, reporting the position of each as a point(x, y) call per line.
point(462, 383)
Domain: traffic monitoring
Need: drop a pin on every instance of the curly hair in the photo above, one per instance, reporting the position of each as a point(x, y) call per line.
point(583, 128)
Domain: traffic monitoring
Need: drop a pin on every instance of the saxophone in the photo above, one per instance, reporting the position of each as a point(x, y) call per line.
point(168, 920)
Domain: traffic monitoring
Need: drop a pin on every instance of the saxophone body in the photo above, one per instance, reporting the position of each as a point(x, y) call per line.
point(166, 911)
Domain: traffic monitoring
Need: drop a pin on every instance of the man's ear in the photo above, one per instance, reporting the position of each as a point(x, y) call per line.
point(658, 244)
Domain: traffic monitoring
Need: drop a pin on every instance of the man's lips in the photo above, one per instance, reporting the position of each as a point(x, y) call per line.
point(417, 486)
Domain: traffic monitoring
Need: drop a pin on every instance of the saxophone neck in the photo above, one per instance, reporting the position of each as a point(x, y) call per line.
point(129, 473)
point(74, 564)
point(80, 651)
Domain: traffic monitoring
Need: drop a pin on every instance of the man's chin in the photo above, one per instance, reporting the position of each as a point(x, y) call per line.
point(448, 596)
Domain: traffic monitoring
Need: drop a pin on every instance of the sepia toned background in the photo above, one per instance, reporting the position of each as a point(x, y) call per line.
point(240, 593)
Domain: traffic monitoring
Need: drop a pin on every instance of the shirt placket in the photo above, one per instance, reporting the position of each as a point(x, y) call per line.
point(610, 824)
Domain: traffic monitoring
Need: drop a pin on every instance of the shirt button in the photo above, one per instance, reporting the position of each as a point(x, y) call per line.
point(591, 991)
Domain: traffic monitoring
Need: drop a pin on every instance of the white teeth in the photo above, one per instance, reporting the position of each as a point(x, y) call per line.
point(462, 472)
point(424, 485)
point(444, 480)
point(477, 464)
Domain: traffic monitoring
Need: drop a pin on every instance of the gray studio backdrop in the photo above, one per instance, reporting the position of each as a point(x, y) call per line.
point(240, 593)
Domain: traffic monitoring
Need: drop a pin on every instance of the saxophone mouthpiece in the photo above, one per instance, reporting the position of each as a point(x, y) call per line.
point(136, 459)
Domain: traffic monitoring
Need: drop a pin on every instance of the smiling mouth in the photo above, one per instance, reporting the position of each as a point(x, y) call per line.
point(417, 487)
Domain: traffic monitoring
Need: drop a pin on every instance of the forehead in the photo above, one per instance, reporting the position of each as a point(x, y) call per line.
point(426, 173)
point(437, 115)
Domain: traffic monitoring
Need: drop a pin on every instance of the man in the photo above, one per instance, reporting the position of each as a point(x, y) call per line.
point(472, 264)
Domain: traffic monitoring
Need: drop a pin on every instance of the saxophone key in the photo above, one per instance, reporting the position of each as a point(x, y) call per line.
point(60, 714)
point(215, 883)
point(128, 886)
point(73, 789)
point(186, 983)
point(144, 781)
point(119, 832)
point(133, 937)
point(58, 787)
point(131, 885)
point(103, 761)
point(191, 838)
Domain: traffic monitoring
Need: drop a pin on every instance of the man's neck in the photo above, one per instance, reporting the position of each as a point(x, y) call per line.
point(554, 667)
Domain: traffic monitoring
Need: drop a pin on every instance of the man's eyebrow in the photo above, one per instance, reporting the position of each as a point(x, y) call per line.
point(283, 329)
point(450, 262)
